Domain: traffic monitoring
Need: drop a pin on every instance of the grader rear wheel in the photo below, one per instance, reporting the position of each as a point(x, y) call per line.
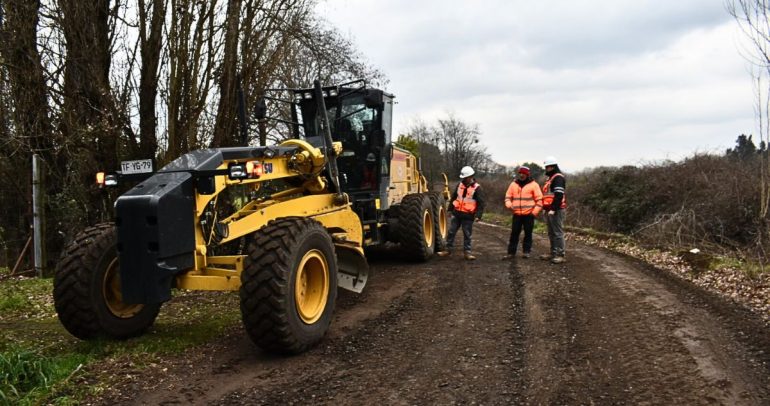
point(416, 226)
point(440, 219)
point(87, 294)
point(289, 285)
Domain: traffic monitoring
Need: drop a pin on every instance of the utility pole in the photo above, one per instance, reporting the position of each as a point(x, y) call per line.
point(38, 215)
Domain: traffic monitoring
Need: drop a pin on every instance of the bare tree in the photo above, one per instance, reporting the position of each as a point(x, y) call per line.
point(754, 18)
point(192, 51)
point(81, 80)
point(21, 60)
point(459, 142)
point(25, 125)
point(88, 117)
point(431, 159)
point(151, 41)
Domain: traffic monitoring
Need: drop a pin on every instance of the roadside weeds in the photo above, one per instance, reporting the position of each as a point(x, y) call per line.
point(40, 363)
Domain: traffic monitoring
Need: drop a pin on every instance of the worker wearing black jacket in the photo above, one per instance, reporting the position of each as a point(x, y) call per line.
point(554, 205)
point(467, 206)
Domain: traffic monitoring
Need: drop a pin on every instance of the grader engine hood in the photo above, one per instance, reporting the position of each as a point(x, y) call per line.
point(156, 221)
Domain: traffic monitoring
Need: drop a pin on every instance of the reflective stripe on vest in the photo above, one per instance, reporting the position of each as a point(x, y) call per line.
point(524, 200)
point(465, 202)
point(548, 194)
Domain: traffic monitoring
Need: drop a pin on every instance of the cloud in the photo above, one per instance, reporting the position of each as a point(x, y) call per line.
point(594, 82)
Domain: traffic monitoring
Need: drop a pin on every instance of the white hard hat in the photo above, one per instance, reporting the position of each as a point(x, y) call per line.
point(466, 171)
point(550, 160)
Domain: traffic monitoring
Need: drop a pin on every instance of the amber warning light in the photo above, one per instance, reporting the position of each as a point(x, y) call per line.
point(103, 179)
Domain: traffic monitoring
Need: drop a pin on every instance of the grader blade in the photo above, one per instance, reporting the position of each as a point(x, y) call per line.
point(353, 270)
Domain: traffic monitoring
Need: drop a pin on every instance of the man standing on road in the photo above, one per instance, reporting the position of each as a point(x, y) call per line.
point(467, 206)
point(525, 200)
point(554, 204)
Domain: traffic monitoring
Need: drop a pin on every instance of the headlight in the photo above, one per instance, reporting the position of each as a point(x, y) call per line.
point(246, 170)
point(111, 180)
point(238, 171)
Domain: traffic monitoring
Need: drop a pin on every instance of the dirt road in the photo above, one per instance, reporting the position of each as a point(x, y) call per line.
point(601, 329)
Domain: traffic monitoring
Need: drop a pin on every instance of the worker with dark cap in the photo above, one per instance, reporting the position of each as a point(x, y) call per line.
point(525, 200)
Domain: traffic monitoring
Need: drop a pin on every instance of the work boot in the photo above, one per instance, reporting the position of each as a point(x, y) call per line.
point(444, 253)
point(546, 257)
point(469, 256)
point(509, 256)
point(526, 255)
point(558, 260)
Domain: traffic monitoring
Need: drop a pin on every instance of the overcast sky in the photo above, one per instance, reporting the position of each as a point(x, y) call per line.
point(592, 82)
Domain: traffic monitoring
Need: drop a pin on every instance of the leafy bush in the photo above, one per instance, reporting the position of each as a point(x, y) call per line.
point(704, 199)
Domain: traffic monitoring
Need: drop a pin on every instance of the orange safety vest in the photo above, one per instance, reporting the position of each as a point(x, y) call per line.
point(523, 201)
point(548, 195)
point(465, 202)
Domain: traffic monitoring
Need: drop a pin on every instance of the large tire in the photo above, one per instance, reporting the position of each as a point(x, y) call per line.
point(440, 219)
point(416, 228)
point(281, 313)
point(86, 289)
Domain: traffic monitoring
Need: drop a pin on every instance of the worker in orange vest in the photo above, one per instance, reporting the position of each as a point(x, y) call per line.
point(525, 200)
point(554, 205)
point(467, 206)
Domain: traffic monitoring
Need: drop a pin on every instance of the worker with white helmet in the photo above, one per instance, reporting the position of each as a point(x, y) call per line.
point(467, 206)
point(554, 204)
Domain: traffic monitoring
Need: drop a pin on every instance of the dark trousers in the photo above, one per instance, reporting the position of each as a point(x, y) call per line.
point(556, 232)
point(519, 222)
point(454, 225)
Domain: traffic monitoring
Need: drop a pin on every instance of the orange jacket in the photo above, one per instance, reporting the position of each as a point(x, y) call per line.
point(465, 201)
point(548, 194)
point(523, 201)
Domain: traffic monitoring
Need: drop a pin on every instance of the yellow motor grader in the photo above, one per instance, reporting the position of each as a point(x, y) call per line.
point(284, 225)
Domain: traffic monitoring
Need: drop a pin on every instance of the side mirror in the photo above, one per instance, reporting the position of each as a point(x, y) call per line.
point(260, 108)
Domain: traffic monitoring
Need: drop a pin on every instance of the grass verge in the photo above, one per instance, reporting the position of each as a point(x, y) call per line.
point(40, 363)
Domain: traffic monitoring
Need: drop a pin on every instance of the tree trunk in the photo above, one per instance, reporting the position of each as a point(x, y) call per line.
point(25, 125)
point(225, 126)
point(151, 42)
point(88, 110)
point(28, 91)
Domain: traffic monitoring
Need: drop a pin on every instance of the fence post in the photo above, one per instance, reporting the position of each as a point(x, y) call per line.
point(38, 215)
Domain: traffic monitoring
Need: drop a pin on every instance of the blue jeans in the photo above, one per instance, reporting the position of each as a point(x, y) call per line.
point(454, 225)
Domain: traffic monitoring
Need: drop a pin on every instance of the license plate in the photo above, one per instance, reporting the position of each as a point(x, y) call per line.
point(139, 166)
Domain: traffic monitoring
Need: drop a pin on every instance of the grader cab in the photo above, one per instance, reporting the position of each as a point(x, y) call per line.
point(283, 225)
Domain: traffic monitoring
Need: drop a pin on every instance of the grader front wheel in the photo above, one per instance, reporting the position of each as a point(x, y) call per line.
point(87, 294)
point(289, 285)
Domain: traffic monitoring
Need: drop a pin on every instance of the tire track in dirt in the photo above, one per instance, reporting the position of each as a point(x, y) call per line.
point(600, 329)
point(438, 332)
